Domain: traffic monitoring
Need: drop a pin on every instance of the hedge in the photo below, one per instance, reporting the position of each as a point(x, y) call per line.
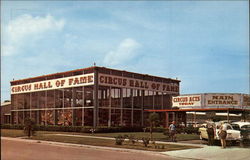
point(84, 129)
point(104, 129)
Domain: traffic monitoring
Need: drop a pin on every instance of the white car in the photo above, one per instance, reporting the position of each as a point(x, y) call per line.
point(244, 127)
point(232, 134)
point(241, 125)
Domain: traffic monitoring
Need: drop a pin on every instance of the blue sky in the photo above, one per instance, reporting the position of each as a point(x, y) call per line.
point(204, 44)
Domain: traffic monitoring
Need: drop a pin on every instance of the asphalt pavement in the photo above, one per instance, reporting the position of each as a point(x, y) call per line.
point(23, 149)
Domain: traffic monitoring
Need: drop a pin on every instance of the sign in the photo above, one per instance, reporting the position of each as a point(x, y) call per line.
point(119, 81)
point(246, 100)
point(222, 100)
point(73, 81)
point(186, 101)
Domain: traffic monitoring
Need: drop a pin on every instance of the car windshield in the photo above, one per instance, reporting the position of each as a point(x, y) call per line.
point(245, 127)
point(236, 126)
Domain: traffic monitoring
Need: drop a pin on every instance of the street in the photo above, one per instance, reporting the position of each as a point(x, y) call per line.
point(16, 149)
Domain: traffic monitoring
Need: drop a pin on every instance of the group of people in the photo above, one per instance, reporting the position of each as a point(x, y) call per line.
point(222, 133)
point(211, 132)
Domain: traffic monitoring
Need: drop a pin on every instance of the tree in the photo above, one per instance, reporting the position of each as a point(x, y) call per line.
point(153, 122)
point(29, 127)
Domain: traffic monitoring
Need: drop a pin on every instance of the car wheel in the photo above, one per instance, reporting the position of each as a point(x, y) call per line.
point(202, 138)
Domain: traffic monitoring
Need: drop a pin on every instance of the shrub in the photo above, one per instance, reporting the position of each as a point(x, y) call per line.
point(191, 130)
point(145, 141)
point(132, 139)
point(83, 129)
point(29, 127)
point(11, 126)
point(119, 140)
point(166, 132)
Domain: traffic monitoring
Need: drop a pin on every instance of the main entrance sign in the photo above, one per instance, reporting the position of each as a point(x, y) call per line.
point(211, 100)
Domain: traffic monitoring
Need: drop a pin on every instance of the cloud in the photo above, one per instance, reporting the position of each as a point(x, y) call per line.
point(27, 27)
point(125, 51)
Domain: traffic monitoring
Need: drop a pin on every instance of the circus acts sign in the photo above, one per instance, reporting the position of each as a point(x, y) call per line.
point(187, 101)
point(74, 81)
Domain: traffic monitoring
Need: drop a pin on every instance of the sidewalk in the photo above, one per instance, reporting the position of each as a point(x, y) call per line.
point(212, 153)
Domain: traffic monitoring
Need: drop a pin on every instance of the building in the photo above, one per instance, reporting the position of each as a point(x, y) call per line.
point(94, 96)
point(5, 112)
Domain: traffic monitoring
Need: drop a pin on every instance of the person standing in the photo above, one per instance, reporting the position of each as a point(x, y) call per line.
point(172, 131)
point(210, 133)
point(223, 134)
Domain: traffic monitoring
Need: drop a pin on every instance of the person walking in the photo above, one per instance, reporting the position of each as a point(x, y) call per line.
point(210, 133)
point(223, 134)
point(172, 131)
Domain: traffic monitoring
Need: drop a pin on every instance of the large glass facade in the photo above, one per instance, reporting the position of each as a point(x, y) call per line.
point(76, 106)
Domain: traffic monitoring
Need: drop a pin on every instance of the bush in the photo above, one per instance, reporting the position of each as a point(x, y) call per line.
point(166, 132)
point(191, 130)
point(83, 129)
point(119, 140)
point(132, 139)
point(159, 129)
point(145, 141)
point(29, 127)
point(10, 126)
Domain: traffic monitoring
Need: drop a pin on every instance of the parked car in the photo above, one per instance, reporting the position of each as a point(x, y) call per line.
point(232, 134)
point(244, 128)
point(241, 125)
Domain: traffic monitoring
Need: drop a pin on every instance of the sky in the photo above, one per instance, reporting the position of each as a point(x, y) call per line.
point(204, 44)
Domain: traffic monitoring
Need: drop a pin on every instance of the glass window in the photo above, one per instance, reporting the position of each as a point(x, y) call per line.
point(127, 99)
point(42, 99)
point(137, 95)
point(88, 94)
point(103, 96)
point(50, 99)
point(236, 126)
point(20, 101)
point(68, 97)
point(116, 97)
point(34, 100)
point(78, 117)
point(78, 97)
point(50, 117)
point(67, 117)
point(246, 127)
point(148, 100)
point(26, 101)
point(158, 100)
point(59, 98)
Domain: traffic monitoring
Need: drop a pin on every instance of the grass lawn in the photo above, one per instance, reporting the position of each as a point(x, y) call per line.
point(109, 143)
point(156, 136)
point(49, 136)
point(12, 133)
